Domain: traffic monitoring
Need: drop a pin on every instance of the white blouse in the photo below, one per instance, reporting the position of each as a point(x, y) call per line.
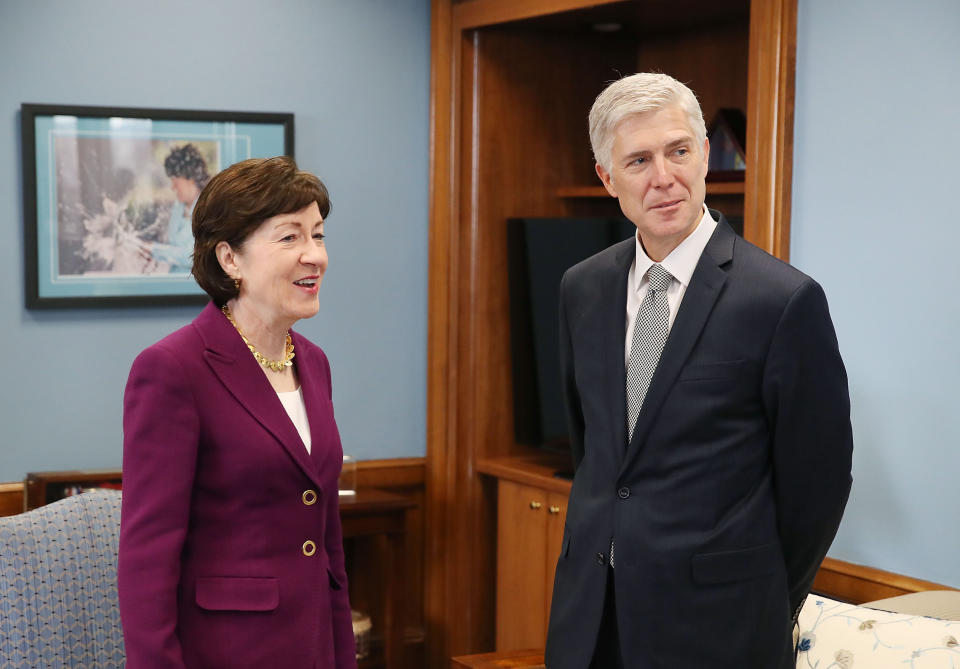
point(297, 410)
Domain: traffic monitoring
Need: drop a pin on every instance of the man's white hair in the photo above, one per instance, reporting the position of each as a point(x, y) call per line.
point(637, 94)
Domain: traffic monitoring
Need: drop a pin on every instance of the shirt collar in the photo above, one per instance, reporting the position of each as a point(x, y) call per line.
point(682, 260)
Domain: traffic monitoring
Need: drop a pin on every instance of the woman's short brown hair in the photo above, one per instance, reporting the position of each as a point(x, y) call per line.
point(236, 202)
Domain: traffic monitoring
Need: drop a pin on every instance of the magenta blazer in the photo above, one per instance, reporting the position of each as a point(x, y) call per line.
point(231, 553)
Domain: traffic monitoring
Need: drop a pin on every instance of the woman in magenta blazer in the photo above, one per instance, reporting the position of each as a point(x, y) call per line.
point(231, 552)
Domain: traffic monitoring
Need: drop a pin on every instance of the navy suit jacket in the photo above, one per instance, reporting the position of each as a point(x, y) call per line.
point(728, 496)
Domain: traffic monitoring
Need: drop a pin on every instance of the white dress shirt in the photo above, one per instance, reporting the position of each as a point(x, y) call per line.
point(680, 263)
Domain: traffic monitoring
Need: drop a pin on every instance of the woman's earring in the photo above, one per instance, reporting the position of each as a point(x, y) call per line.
point(236, 285)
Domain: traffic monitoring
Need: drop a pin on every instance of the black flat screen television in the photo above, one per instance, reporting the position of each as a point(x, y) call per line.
point(539, 251)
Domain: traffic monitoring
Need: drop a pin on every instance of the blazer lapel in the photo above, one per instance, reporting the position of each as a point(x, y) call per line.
point(613, 325)
point(316, 396)
point(231, 361)
point(698, 301)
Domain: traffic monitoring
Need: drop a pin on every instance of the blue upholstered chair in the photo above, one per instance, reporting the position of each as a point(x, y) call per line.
point(58, 585)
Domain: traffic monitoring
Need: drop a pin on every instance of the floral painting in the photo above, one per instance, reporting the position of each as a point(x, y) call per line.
point(119, 207)
point(109, 196)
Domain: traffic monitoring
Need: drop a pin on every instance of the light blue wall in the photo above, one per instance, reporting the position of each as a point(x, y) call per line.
point(876, 220)
point(356, 75)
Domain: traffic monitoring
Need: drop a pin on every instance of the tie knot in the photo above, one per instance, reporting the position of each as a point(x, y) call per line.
point(659, 278)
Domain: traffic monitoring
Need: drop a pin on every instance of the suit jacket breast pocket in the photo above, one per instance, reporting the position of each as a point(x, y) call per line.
point(733, 370)
point(232, 593)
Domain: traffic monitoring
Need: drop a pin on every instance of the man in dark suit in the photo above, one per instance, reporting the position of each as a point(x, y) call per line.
point(709, 418)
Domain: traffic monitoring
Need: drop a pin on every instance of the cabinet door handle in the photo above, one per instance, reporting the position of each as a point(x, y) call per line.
point(535, 505)
point(554, 509)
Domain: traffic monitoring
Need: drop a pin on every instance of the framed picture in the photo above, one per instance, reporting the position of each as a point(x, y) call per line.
point(109, 192)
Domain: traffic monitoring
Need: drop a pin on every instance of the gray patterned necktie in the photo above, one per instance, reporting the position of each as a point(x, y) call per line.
point(649, 335)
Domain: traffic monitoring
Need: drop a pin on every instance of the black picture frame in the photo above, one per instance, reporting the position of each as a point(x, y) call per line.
point(98, 192)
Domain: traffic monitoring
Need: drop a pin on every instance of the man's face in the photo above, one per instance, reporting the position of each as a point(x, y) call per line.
point(658, 173)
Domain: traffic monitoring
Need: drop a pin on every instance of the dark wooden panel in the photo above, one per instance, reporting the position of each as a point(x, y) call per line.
point(443, 463)
point(528, 137)
point(11, 498)
point(770, 102)
point(517, 143)
point(44, 487)
point(404, 476)
point(713, 61)
point(479, 13)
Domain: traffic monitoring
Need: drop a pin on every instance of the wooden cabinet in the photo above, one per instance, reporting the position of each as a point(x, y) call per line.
point(11, 498)
point(531, 511)
point(521, 565)
point(529, 532)
point(41, 488)
point(511, 85)
point(376, 521)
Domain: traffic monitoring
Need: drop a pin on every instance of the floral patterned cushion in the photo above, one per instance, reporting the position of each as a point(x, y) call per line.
point(834, 635)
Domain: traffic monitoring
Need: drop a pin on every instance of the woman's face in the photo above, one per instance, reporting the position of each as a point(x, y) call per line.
point(281, 265)
point(185, 189)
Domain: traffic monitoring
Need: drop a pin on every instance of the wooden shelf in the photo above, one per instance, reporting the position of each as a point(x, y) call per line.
point(535, 469)
point(582, 191)
point(713, 188)
point(725, 187)
point(533, 659)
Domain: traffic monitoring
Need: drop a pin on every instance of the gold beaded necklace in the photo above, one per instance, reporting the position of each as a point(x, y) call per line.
point(272, 365)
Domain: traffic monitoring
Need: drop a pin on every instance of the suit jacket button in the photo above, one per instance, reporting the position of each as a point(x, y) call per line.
point(601, 559)
point(309, 548)
point(623, 493)
point(309, 497)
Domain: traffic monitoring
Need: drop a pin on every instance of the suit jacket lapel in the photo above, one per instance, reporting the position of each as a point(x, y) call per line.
point(613, 324)
point(702, 293)
point(231, 361)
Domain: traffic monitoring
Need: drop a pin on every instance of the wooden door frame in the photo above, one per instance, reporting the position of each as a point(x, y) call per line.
point(457, 606)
